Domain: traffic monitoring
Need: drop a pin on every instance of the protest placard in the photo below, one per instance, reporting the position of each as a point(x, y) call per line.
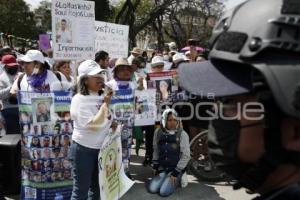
point(122, 105)
point(73, 28)
point(112, 38)
point(46, 138)
point(145, 107)
point(166, 85)
point(112, 179)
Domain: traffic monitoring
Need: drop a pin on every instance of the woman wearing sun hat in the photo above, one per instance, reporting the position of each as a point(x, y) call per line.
point(37, 76)
point(122, 75)
point(92, 121)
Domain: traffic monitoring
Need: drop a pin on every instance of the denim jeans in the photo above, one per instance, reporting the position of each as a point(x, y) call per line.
point(85, 173)
point(163, 184)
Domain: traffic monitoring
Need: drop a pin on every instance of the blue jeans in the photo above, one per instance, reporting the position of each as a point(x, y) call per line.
point(85, 173)
point(163, 184)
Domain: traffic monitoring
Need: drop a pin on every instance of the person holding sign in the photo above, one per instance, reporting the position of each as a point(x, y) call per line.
point(92, 121)
point(122, 82)
point(170, 156)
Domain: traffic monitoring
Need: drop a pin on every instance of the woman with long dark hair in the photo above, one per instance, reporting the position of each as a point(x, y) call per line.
point(92, 121)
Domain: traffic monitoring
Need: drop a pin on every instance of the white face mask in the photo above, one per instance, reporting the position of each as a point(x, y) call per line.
point(35, 71)
point(166, 58)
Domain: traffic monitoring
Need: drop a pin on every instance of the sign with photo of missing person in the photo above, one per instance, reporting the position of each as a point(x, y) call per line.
point(46, 138)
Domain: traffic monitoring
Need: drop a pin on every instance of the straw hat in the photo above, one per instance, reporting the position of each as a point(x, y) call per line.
point(122, 62)
point(137, 50)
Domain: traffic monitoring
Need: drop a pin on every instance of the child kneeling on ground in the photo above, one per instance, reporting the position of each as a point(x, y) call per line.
point(171, 154)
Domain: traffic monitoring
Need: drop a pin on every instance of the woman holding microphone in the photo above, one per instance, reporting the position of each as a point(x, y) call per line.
point(92, 121)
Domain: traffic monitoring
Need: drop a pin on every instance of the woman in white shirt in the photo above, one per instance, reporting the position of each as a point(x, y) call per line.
point(37, 76)
point(92, 121)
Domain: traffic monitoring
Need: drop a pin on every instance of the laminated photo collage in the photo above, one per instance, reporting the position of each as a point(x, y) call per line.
point(46, 140)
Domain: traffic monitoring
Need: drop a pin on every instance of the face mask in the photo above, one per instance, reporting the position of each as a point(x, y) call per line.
point(166, 58)
point(35, 71)
point(12, 71)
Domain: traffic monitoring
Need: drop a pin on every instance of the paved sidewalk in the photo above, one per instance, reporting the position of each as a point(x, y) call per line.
point(195, 189)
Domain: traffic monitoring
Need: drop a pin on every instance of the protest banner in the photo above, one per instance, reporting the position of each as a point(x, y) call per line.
point(122, 105)
point(46, 138)
point(112, 38)
point(166, 85)
point(73, 28)
point(112, 179)
point(44, 42)
point(145, 107)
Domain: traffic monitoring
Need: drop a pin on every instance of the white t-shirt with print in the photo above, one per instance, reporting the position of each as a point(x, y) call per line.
point(83, 110)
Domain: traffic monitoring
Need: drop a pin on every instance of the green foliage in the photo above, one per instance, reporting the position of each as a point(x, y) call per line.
point(44, 13)
point(103, 11)
point(17, 19)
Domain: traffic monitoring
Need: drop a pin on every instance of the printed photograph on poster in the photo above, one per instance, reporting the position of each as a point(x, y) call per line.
point(145, 107)
point(35, 142)
point(110, 163)
point(26, 129)
point(164, 89)
point(25, 141)
point(63, 30)
point(65, 141)
point(46, 141)
point(37, 130)
point(66, 128)
point(56, 152)
point(42, 109)
point(25, 117)
point(46, 153)
point(56, 141)
point(36, 154)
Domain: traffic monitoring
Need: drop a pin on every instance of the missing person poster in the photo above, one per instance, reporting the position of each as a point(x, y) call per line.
point(166, 86)
point(112, 38)
point(46, 138)
point(122, 106)
point(112, 179)
point(73, 28)
point(145, 107)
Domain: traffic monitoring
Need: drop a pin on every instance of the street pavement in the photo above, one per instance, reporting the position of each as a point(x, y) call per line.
point(195, 189)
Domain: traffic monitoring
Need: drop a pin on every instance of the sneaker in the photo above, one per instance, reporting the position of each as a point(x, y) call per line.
point(184, 180)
